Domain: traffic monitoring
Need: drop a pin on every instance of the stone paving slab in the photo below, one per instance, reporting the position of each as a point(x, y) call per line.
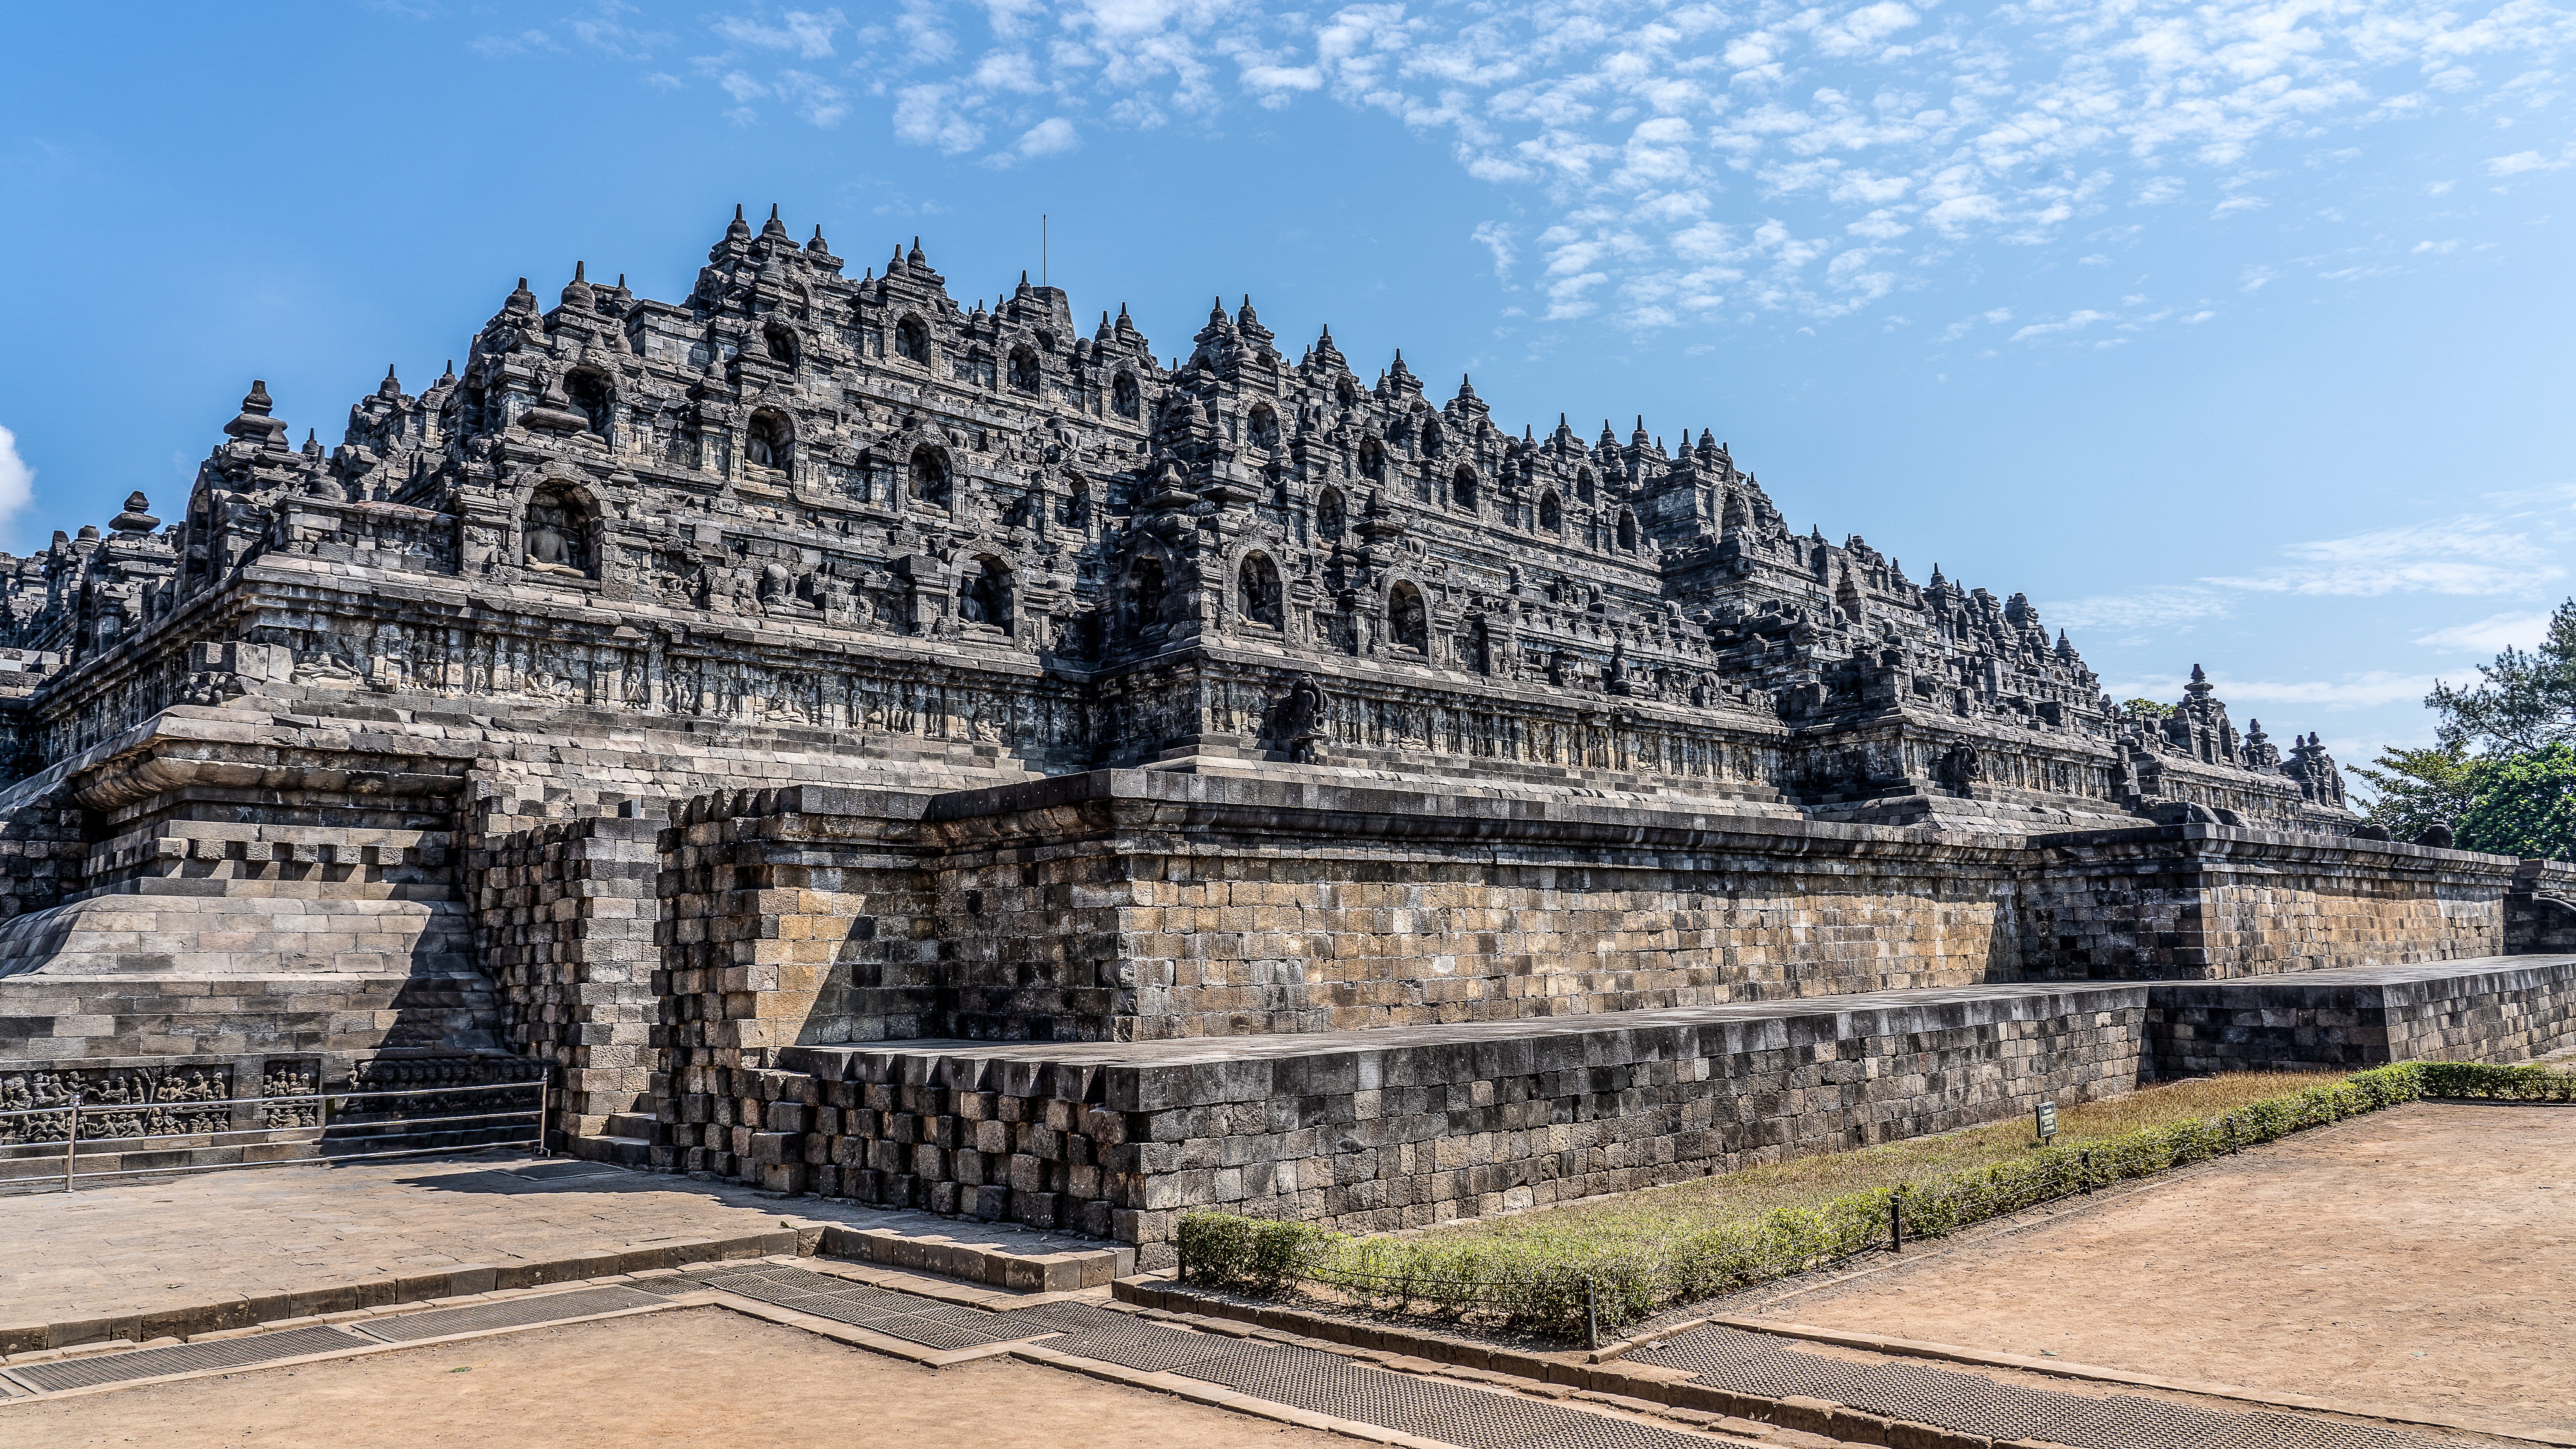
point(146, 1259)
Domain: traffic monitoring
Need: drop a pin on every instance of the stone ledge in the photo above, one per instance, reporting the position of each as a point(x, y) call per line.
point(980, 1263)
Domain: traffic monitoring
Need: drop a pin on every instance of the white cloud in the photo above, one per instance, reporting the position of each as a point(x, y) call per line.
point(2468, 554)
point(2520, 162)
point(2353, 691)
point(809, 34)
point(2491, 635)
point(2160, 607)
point(1808, 161)
point(17, 480)
point(1054, 136)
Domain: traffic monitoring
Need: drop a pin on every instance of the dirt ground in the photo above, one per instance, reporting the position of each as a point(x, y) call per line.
point(701, 1375)
point(2423, 1256)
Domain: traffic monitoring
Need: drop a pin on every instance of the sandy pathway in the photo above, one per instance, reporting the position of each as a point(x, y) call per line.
point(2421, 1256)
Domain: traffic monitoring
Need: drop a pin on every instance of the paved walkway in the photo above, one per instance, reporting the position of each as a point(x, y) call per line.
point(254, 1233)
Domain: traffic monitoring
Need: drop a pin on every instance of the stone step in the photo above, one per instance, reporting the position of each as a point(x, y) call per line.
point(621, 1151)
point(638, 1125)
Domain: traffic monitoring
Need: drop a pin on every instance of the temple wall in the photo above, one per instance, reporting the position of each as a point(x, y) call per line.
point(1381, 1130)
point(1138, 905)
point(2190, 901)
point(1230, 907)
point(564, 925)
point(2504, 1010)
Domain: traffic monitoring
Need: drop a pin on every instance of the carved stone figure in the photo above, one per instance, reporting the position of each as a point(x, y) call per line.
point(1299, 718)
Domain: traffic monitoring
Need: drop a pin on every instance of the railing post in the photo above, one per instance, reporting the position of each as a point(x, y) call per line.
point(544, 1079)
point(1591, 1315)
point(1896, 1221)
point(71, 1142)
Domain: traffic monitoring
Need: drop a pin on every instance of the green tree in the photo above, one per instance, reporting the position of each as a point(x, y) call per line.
point(2523, 803)
point(2415, 790)
point(2147, 708)
point(2525, 700)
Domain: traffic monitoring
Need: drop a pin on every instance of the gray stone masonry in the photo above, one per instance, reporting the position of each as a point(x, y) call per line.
point(1391, 1127)
point(2507, 1008)
point(566, 919)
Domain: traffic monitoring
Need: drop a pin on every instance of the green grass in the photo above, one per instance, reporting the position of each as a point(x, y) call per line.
point(1652, 1218)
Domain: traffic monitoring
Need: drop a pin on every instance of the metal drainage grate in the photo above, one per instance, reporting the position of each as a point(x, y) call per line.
point(1761, 1363)
point(1254, 1367)
point(1431, 1408)
point(1067, 1315)
point(862, 1310)
point(946, 1328)
point(182, 1358)
point(1144, 1346)
point(514, 1313)
point(669, 1284)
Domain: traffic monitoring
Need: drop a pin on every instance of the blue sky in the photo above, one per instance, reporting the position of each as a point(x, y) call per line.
point(2233, 333)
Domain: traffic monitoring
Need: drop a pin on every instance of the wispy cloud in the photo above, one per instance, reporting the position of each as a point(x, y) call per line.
point(17, 480)
point(2367, 690)
point(1686, 163)
point(2491, 635)
point(2466, 554)
point(2517, 546)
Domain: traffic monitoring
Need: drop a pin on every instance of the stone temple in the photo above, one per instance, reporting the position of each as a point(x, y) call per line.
point(868, 743)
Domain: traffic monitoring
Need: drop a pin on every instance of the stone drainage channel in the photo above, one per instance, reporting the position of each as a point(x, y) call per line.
point(1288, 1382)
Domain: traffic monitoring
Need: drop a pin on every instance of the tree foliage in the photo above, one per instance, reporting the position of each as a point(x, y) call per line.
point(2523, 804)
point(2524, 701)
point(2502, 773)
point(2414, 790)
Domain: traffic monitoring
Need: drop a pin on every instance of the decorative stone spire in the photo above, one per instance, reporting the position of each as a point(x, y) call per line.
point(137, 517)
point(915, 258)
point(577, 293)
point(388, 389)
point(254, 425)
point(738, 230)
point(521, 302)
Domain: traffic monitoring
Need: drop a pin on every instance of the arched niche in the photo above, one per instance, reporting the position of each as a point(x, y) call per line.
point(1125, 398)
point(1551, 514)
point(1258, 592)
point(1141, 596)
point(912, 339)
point(984, 593)
point(1408, 621)
point(930, 479)
point(559, 533)
point(593, 394)
point(769, 441)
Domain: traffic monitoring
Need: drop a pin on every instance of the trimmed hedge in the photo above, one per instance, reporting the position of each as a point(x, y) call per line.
point(1553, 1289)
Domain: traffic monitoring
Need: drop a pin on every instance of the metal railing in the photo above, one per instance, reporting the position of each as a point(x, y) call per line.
point(369, 1125)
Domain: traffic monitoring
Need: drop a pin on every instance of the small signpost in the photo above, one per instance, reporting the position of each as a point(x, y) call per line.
point(2047, 1116)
